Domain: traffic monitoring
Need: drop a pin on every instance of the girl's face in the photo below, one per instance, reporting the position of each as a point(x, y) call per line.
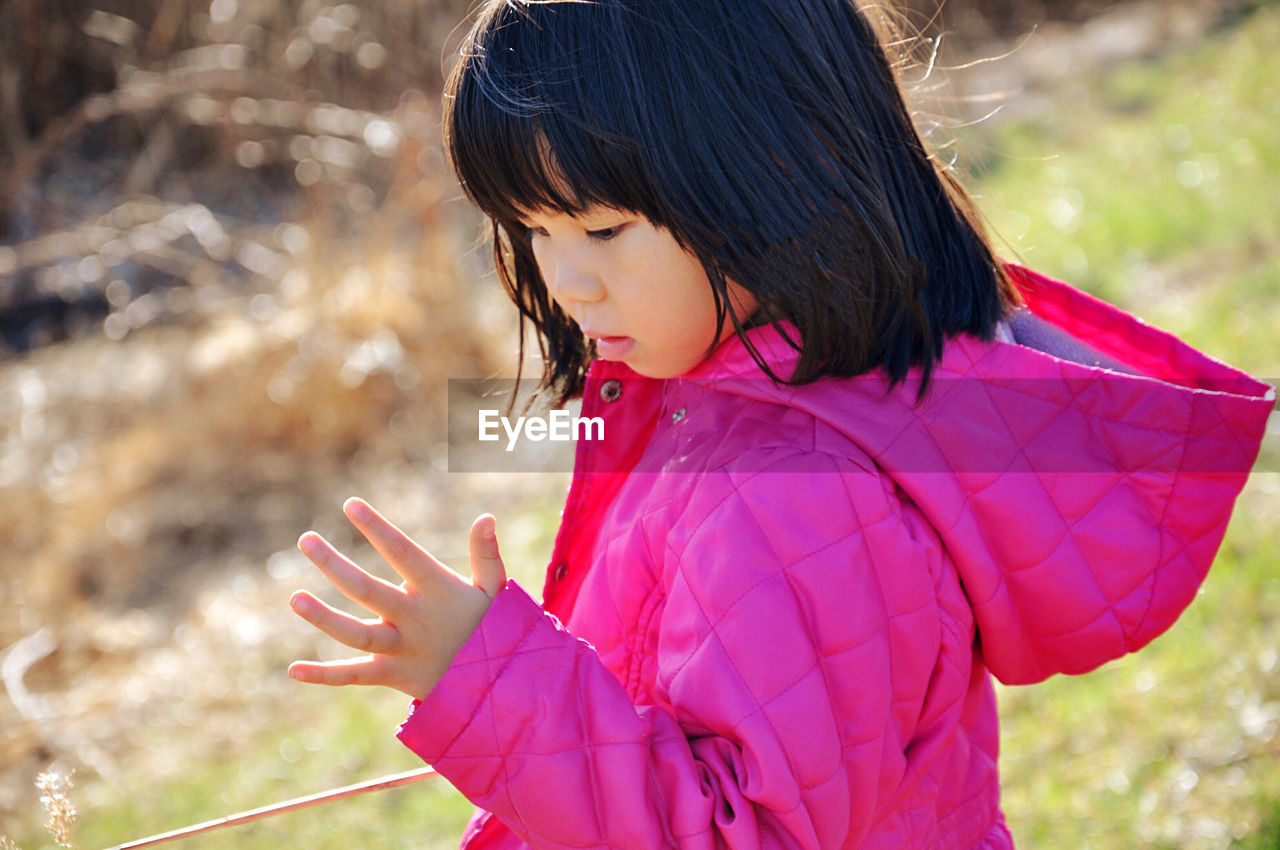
point(628, 284)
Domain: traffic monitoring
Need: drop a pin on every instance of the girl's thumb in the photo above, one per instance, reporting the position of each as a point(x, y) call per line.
point(487, 570)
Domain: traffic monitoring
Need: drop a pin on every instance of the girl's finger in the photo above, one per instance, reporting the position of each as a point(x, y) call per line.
point(380, 597)
point(487, 570)
point(372, 636)
point(415, 564)
point(353, 671)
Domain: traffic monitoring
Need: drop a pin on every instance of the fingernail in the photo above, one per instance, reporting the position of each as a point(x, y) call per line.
point(491, 528)
point(356, 509)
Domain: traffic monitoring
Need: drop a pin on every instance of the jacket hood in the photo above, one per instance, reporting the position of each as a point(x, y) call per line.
point(1080, 470)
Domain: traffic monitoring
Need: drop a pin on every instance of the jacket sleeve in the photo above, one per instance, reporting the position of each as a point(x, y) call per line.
point(774, 661)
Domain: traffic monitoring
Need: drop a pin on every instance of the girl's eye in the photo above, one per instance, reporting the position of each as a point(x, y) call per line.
point(604, 235)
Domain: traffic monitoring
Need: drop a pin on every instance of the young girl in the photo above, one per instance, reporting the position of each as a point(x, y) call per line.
point(853, 466)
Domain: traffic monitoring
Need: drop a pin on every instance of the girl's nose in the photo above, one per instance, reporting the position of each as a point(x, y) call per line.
point(569, 280)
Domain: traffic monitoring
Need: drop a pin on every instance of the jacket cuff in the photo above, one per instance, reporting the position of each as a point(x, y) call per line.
point(434, 724)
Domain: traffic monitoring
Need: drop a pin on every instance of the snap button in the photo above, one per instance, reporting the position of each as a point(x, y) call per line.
point(560, 572)
point(678, 415)
point(611, 390)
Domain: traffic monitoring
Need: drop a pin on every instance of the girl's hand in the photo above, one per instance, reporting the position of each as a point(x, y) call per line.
point(421, 624)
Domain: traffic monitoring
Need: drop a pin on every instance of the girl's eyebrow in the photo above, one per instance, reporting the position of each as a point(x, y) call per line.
point(590, 218)
point(601, 215)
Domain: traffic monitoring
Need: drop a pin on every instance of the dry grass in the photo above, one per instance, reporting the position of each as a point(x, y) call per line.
point(155, 474)
point(148, 466)
point(59, 810)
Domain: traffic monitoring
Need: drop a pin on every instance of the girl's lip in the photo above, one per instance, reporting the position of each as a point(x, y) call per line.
point(613, 347)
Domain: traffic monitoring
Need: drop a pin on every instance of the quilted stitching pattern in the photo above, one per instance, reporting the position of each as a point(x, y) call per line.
point(782, 599)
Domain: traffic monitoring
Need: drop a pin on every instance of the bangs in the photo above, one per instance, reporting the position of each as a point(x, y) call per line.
point(769, 138)
point(530, 123)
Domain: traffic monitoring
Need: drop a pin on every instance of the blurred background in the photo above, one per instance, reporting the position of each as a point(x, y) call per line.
point(236, 274)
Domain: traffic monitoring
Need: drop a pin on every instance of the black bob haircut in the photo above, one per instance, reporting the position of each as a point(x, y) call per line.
point(771, 138)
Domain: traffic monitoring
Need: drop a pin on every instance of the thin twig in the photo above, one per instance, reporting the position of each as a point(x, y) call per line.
point(393, 781)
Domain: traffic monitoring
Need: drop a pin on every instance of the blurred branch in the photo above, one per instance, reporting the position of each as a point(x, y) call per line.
point(143, 92)
point(165, 28)
point(14, 140)
point(16, 60)
point(18, 659)
point(262, 112)
point(147, 167)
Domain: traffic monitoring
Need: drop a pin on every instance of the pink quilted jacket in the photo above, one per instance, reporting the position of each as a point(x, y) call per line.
point(772, 612)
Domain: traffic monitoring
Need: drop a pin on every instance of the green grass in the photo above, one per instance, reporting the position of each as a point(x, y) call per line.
point(333, 738)
point(1160, 193)
point(1267, 837)
point(309, 739)
point(1155, 187)
point(1172, 746)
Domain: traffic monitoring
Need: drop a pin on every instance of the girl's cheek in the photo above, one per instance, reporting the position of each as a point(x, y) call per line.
point(546, 270)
